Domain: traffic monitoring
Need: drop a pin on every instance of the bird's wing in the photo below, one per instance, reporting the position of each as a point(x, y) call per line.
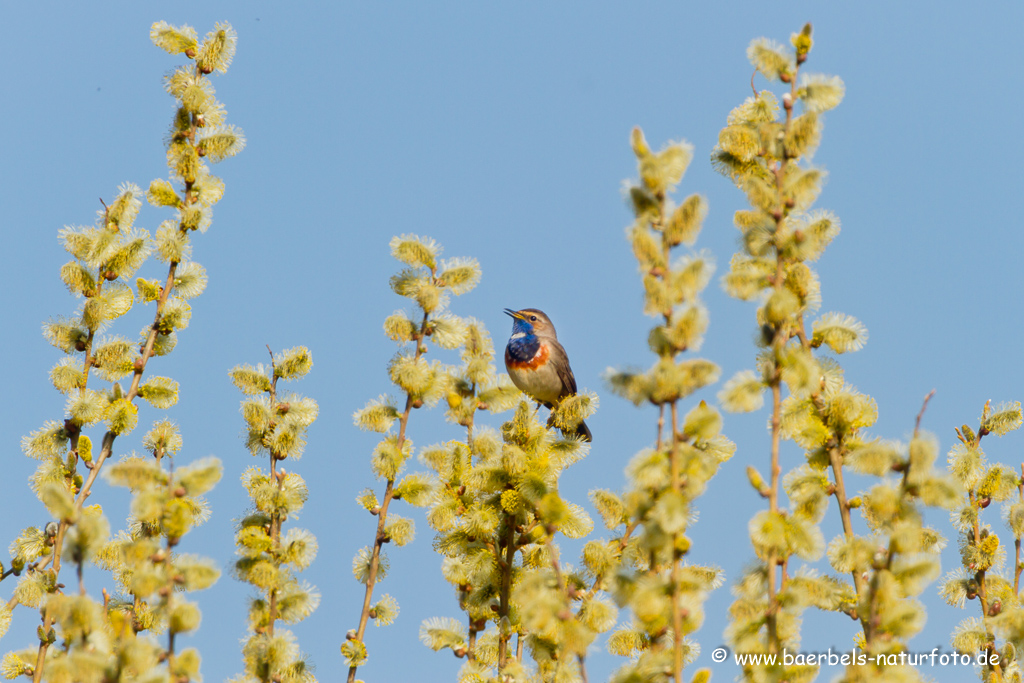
point(560, 361)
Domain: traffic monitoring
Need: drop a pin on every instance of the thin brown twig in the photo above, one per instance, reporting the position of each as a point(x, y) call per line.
point(504, 595)
point(1017, 567)
point(471, 644)
point(677, 609)
point(771, 619)
point(836, 462)
point(920, 415)
point(381, 536)
point(560, 581)
point(168, 590)
point(623, 542)
point(981, 574)
point(583, 668)
point(661, 425)
point(780, 339)
point(275, 517)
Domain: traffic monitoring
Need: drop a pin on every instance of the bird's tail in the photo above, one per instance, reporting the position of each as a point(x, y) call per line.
point(583, 431)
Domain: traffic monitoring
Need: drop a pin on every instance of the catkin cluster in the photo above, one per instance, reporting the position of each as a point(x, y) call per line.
point(643, 565)
point(985, 575)
point(115, 639)
point(764, 149)
point(429, 282)
point(270, 556)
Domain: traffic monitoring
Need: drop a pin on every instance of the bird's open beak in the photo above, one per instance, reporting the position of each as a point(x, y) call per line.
point(514, 314)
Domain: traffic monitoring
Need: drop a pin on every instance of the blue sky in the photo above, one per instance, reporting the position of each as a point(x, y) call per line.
point(501, 130)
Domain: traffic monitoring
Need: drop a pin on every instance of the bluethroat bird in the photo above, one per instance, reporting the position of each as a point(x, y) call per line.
point(537, 363)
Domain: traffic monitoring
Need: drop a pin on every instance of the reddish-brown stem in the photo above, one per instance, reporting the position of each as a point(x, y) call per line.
point(504, 595)
point(371, 579)
point(169, 587)
point(556, 566)
point(471, 643)
point(661, 425)
point(836, 461)
point(675, 438)
point(980, 574)
point(835, 456)
point(868, 621)
point(275, 517)
point(781, 337)
point(677, 610)
point(381, 536)
point(771, 618)
point(623, 542)
point(1017, 567)
point(673, 456)
point(920, 415)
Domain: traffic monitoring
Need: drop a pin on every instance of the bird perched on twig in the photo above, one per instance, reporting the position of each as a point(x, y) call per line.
point(537, 363)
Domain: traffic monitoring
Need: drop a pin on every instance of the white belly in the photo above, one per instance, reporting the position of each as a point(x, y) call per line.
point(542, 384)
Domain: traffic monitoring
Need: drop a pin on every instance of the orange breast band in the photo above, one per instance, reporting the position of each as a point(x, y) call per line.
point(539, 359)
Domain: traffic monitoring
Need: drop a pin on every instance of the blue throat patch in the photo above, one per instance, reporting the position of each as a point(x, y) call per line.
point(521, 326)
point(523, 350)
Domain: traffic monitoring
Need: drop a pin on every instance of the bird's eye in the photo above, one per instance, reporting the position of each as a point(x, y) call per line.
point(533, 318)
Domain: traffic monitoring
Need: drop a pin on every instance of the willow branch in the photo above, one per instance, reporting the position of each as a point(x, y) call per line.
point(1017, 567)
point(381, 537)
point(108, 445)
point(505, 591)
